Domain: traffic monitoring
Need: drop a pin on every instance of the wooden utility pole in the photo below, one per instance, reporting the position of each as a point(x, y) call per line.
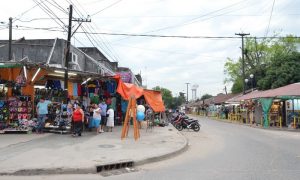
point(70, 34)
point(10, 39)
point(243, 59)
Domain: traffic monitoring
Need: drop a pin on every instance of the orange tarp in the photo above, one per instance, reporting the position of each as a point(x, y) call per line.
point(126, 90)
point(154, 99)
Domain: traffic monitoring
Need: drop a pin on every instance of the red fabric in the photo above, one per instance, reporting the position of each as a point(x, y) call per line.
point(154, 99)
point(79, 89)
point(77, 116)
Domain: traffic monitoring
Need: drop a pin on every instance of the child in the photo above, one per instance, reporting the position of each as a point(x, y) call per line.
point(110, 119)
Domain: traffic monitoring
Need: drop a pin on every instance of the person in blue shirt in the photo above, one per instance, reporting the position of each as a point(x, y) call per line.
point(42, 111)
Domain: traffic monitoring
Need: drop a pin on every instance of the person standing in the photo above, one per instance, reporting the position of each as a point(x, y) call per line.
point(103, 107)
point(78, 119)
point(110, 119)
point(42, 111)
point(96, 118)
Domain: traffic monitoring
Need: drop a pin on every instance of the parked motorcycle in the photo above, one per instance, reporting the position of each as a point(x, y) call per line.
point(185, 123)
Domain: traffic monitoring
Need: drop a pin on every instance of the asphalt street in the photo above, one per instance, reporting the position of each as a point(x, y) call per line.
point(219, 151)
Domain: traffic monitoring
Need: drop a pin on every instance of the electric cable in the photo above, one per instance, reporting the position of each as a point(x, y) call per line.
point(106, 7)
point(268, 27)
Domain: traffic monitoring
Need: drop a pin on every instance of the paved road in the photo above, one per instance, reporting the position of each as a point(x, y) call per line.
point(220, 151)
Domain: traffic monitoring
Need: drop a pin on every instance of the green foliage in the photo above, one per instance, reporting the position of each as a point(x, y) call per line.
point(169, 100)
point(272, 61)
point(284, 70)
point(206, 96)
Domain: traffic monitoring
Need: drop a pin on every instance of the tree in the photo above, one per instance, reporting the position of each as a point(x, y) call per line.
point(206, 96)
point(283, 70)
point(259, 58)
point(166, 95)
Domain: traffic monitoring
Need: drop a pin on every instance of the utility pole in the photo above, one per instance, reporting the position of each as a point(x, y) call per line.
point(10, 39)
point(243, 59)
point(70, 34)
point(187, 92)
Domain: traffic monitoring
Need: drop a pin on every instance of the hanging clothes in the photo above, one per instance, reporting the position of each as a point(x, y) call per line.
point(62, 84)
point(70, 89)
point(57, 84)
point(75, 89)
point(79, 89)
point(124, 105)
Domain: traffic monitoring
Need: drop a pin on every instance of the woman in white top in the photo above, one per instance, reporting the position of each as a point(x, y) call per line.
point(96, 118)
point(110, 119)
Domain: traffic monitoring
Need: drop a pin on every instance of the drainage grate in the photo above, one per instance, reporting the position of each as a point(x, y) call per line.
point(120, 165)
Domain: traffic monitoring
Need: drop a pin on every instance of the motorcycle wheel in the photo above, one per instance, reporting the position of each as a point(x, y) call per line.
point(178, 127)
point(196, 127)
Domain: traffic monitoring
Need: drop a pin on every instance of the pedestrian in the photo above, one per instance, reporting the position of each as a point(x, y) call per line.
point(78, 119)
point(90, 118)
point(42, 111)
point(96, 118)
point(110, 119)
point(103, 107)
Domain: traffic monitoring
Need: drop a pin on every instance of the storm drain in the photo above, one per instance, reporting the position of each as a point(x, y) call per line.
point(108, 167)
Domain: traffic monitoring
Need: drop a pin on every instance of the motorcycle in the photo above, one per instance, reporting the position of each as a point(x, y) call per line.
point(185, 123)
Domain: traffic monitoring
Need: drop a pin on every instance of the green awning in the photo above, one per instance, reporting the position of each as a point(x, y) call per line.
point(288, 97)
point(8, 65)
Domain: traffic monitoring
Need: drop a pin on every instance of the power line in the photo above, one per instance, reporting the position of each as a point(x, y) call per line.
point(37, 19)
point(111, 54)
point(58, 6)
point(49, 12)
point(106, 7)
point(193, 20)
point(161, 36)
point(268, 27)
point(22, 14)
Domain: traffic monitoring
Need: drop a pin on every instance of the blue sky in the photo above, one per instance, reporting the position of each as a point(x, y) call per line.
point(166, 62)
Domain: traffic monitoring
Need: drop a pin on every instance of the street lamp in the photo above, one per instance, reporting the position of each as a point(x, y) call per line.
point(252, 79)
point(246, 82)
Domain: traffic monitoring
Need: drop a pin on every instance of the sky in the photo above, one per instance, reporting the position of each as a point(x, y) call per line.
point(167, 62)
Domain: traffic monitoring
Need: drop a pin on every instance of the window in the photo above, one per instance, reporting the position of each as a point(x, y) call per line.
point(74, 58)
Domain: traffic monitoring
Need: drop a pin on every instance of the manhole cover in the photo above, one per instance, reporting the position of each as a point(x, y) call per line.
point(106, 146)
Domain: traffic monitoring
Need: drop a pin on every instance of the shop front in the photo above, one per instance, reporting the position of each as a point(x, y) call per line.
point(22, 85)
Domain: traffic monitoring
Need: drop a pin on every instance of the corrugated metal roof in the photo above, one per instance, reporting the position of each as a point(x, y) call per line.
point(288, 90)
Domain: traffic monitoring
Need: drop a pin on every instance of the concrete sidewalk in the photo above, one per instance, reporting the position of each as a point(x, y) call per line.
point(56, 153)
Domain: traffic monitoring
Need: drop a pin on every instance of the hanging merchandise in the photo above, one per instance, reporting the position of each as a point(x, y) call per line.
point(4, 114)
point(21, 80)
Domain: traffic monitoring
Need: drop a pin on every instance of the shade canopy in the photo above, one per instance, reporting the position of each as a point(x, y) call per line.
point(153, 98)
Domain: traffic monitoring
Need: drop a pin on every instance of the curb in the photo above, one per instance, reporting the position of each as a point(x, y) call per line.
point(164, 156)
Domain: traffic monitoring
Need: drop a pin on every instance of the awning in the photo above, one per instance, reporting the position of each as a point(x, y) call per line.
point(126, 90)
point(9, 65)
point(291, 91)
point(154, 99)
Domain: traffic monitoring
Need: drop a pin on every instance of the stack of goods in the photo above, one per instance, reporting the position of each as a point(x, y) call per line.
point(54, 95)
point(4, 114)
point(58, 120)
point(20, 110)
point(16, 115)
